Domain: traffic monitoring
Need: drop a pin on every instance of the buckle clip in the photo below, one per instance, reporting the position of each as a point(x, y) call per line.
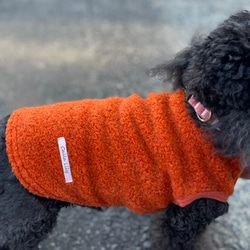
point(205, 119)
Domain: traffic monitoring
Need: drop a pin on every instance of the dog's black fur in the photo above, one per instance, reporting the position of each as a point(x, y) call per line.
point(216, 70)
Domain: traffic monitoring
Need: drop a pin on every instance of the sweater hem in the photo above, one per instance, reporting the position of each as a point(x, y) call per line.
point(212, 195)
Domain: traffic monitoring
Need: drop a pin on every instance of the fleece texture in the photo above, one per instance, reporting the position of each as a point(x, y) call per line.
point(139, 153)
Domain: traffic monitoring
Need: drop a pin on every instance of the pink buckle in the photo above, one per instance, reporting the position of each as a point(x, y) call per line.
point(203, 114)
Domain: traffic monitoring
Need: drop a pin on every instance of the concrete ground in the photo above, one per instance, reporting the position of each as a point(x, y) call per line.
point(59, 50)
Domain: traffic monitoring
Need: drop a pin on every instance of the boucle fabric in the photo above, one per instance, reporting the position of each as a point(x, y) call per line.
point(139, 153)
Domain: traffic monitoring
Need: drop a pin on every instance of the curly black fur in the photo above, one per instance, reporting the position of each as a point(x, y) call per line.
point(216, 70)
point(182, 226)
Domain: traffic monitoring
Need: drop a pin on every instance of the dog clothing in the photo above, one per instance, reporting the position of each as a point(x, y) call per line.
point(139, 153)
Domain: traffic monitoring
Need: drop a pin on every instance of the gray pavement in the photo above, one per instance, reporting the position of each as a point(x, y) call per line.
point(59, 50)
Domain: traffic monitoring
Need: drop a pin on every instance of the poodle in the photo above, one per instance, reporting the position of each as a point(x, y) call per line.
point(212, 97)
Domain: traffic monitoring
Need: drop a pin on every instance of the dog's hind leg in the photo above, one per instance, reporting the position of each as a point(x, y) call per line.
point(25, 219)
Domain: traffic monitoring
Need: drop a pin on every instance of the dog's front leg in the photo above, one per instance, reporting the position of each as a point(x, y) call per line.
point(183, 225)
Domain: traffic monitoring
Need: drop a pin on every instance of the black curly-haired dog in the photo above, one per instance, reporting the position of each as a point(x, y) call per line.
point(216, 71)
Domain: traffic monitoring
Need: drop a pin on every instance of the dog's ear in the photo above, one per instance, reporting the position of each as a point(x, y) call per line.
point(173, 70)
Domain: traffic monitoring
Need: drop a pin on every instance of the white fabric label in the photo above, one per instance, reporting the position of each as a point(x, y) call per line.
point(65, 159)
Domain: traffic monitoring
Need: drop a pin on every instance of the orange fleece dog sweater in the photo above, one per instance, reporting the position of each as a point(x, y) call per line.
point(139, 153)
